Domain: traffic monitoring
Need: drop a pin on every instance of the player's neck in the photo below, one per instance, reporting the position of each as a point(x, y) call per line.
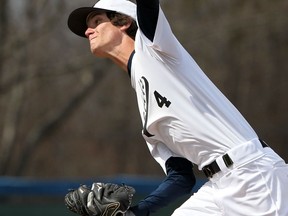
point(121, 54)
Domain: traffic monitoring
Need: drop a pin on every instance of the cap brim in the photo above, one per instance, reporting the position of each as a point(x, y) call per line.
point(77, 19)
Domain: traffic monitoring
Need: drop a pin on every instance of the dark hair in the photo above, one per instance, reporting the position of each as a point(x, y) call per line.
point(118, 19)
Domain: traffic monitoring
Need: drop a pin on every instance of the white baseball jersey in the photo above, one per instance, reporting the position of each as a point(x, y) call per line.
point(182, 111)
point(185, 115)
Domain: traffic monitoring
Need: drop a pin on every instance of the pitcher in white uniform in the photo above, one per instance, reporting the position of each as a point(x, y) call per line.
point(186, 119)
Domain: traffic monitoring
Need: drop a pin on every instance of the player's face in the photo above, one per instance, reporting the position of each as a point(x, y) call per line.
point(102, 34)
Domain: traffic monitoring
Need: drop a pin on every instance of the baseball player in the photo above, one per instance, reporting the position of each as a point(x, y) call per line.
point(186, 119)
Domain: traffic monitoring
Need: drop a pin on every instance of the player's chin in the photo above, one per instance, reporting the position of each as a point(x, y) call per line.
point(96, 51)
point(96, 54)
point(94, 48)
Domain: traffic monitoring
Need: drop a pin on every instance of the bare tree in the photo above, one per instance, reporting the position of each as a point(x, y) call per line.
point(19, 72)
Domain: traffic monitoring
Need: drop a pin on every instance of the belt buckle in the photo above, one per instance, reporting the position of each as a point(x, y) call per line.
point(213, 168)
point(208, 172)
point(227, 160)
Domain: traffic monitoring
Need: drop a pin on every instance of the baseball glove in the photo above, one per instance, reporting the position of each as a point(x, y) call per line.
point(103, 199)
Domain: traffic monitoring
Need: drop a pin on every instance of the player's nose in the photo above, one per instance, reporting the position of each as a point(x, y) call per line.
point(88, 32)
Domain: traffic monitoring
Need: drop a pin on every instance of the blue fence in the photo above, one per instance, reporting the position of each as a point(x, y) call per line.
point(29, 186)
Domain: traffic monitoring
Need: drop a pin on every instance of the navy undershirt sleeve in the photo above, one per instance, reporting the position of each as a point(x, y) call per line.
point(147, 15)
point(179, 181)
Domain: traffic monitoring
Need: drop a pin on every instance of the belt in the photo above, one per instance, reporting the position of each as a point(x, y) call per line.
point(213, 168)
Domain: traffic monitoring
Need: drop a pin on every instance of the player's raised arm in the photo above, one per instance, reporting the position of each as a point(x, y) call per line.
point(147, 14)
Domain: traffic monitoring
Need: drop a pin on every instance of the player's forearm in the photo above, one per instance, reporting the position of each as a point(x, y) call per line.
point(147, 15)
point(179, 181)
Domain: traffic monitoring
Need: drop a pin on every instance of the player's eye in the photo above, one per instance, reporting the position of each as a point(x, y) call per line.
point(97, 21)
point(93, 22)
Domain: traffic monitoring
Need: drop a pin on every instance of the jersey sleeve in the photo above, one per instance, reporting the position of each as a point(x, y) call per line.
point(161, 153)
point(155, 31)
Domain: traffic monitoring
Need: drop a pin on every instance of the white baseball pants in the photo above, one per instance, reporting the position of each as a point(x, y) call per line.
point(256, 188)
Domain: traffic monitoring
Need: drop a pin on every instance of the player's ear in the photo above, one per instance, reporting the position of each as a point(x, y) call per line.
point(127, 24)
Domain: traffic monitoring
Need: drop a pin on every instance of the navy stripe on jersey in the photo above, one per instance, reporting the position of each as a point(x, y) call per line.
point(147, 15)
point(145, 91)
point(130, 63)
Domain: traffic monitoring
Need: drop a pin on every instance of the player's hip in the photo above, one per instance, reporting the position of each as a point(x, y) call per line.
point(256, 188)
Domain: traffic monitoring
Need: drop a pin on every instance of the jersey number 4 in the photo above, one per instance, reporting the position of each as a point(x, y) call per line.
point(161, 101)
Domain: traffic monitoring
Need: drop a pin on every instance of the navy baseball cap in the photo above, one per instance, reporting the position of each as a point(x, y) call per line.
point(77, 19)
